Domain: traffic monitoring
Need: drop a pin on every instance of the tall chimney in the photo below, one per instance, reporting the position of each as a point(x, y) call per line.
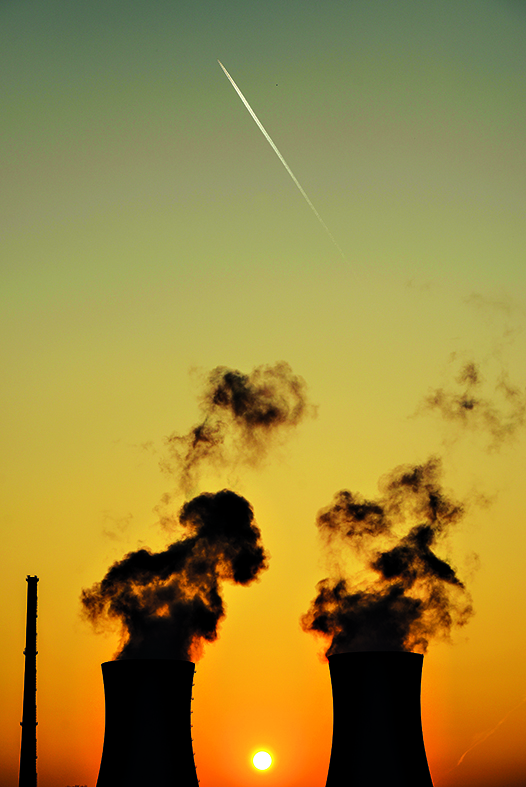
point(28, 747)
point(377, 728)
point(148, 739)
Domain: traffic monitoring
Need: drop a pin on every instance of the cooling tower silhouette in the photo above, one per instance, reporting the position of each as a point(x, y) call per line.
point(147, 739)
point(377, 736)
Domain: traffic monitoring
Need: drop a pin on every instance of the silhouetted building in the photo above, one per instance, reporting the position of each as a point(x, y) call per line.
point(28, 747)
point(147, 739)
point(377, 736)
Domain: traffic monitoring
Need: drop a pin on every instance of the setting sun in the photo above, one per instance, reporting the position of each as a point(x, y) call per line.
point(262, 760)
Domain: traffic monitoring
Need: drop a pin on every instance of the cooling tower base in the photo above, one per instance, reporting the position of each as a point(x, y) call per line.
point(147, 739)
point(377, 728)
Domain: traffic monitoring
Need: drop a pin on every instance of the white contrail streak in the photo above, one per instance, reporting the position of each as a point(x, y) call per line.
point(278, 154)
point(486, 735)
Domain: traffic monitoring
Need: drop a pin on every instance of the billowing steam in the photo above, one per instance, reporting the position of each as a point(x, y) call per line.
point(241, 415)
point(169, 603)
point(500, 416)
point(409, 594)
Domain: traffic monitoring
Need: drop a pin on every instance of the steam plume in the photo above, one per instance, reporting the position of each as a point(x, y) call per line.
point(168, 603)
point(241, 415)
point(409, 594)
point(499, 416)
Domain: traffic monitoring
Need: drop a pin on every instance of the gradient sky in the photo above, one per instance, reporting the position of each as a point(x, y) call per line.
point(149, 234)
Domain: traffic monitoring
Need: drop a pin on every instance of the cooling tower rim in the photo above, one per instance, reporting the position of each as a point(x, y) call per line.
point(161, 658)
point(148, 664)
point(377, 654)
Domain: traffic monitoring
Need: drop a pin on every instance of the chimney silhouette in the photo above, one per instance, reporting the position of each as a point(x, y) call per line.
point(28, 746)
point(147, 739)
point(377, 736)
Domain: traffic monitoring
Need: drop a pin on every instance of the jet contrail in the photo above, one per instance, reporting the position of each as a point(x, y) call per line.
point(278, 154)
point(486, 735)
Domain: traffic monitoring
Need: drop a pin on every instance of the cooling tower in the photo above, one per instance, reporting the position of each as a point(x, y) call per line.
point(147, 739)
point(377, 736)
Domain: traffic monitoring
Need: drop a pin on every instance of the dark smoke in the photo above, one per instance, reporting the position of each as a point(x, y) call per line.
point(169, 603)
point(412, 594)
point(241, 415)
point(500, 416)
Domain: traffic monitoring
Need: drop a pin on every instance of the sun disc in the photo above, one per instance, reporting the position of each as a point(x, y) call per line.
point(262, 760)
